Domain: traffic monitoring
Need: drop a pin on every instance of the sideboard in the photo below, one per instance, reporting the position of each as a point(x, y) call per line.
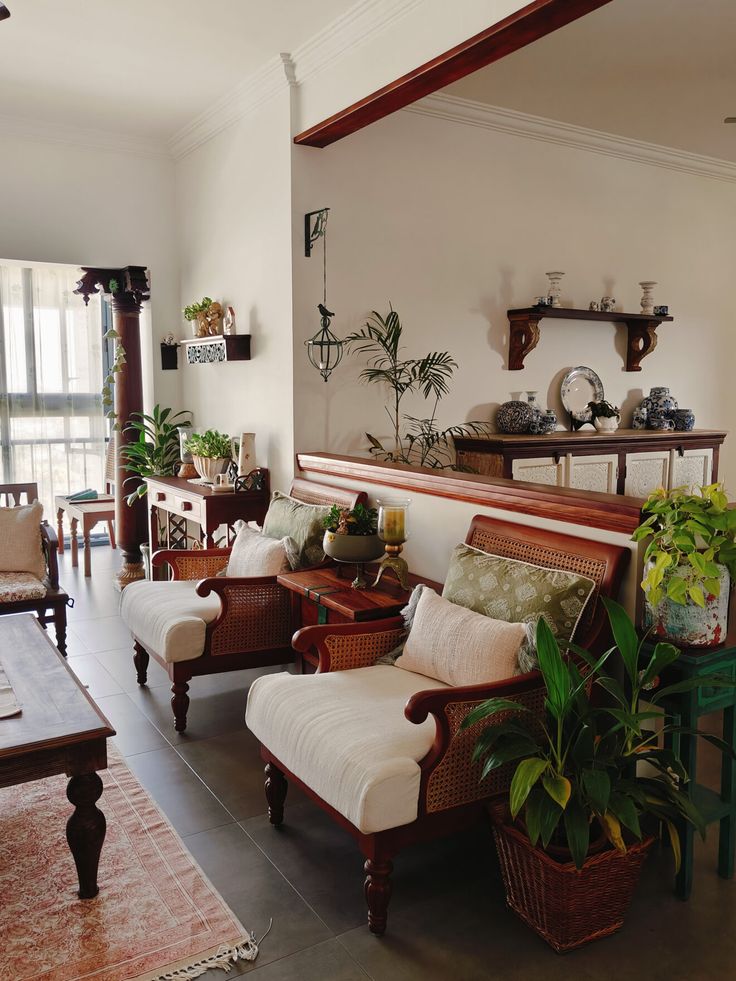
point(629, 461)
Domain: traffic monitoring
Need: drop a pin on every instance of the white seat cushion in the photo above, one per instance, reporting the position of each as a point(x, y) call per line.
point(168, 618)
point(344, 734)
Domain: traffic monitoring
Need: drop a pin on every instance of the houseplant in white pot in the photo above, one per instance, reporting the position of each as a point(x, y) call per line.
point(605, 416)
point(689, 564)
point(211, 453)
point(351, 535)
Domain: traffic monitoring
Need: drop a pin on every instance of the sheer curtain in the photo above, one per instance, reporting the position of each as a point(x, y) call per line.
point(52, 424)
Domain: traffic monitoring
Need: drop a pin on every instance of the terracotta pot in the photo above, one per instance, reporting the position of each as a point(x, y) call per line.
point(208, 467)
point(691, 625)
point(352, 548)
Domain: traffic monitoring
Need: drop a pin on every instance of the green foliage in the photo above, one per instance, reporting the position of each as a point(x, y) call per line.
point(358, 521)
point(689, 532)
point(155, 449)
point(604, 410)
point(117, 366)
point(190, 312)
point(423, 444)
point(578, 764)
point(210, 444)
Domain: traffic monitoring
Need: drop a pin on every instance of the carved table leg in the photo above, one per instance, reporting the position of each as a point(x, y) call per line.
point(378, 893)
point(75, 545)
point(85, 830)
point(60, 627)
point(140, 660)
point(276, 787)
point(60, 530)
point(180, 704)
point(87, 554)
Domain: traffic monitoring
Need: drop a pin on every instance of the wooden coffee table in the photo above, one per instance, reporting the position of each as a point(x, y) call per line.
point(60, 730)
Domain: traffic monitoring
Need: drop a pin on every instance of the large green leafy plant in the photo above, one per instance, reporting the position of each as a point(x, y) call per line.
point(578, 764)
point(423, 444)
point(155, 449)
point(689, 532)
point(210, 444)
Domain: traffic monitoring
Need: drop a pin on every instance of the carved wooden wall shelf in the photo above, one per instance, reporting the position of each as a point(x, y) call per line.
point(524, 331)
point(209, 350)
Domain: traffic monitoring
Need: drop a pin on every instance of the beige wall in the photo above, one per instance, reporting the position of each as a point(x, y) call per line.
point(87, 206)
point(455, 224)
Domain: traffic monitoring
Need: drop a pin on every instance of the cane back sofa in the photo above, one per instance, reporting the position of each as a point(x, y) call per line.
point(200, 623)
point(364, 735)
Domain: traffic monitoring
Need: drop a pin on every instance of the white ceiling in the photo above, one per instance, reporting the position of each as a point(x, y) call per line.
point(142, 67)
point(662, 71)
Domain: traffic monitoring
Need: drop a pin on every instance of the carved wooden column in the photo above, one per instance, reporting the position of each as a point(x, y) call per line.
point(128, 288)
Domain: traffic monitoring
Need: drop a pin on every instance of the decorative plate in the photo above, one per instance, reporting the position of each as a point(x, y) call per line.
point(580, 386)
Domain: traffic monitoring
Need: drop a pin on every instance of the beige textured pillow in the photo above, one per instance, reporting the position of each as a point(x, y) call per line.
point(20, 540)
point(460, 647)
point(253, 554)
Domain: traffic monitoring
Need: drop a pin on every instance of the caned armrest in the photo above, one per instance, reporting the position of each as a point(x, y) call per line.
point(255, 614)
point(343, 646)
point(195, 563)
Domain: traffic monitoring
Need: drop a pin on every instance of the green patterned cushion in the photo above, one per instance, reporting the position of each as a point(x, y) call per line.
point(288, 518)
point(518, 592)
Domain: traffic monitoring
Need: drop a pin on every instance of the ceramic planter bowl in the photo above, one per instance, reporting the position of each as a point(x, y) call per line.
point(208, 467)
point(352, 548)
point(691, 625)
point(606, 424)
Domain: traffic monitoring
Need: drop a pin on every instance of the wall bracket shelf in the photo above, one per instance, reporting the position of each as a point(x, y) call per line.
point(210, 350)
point(524, 331)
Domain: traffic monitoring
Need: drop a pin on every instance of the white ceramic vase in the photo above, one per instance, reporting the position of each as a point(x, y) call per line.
point(606, 424)
point(555, 290)
point(647, 297)
point(208, 467)
point(247, 454)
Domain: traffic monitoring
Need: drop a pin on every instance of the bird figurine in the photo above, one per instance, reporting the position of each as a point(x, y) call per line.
point(324, 312)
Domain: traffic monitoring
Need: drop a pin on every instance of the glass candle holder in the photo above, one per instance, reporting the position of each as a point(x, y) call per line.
point(393, 530)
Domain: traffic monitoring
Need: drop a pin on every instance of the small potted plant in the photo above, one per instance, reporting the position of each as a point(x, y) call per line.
point(351, 535)
point(192, 312)
point(211, 453)
point(571, 865)
point(605, 416)
point(689, 563)
point(154, 451)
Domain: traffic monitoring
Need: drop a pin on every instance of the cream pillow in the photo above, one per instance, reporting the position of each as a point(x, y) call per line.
point(460, 647)
point(254, 554)
point(20, 540)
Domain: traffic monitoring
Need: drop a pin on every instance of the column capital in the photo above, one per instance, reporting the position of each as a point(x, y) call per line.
point(128, 286)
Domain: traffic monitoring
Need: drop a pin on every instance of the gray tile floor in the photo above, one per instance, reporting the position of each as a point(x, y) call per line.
point(447, 918)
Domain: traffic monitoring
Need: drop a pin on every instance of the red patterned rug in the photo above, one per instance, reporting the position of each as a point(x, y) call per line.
point(156, 916)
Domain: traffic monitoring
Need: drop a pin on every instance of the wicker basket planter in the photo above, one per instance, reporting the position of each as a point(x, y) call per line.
point(565, 907)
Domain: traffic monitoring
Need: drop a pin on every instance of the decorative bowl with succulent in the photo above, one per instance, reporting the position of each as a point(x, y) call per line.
point(351, 535)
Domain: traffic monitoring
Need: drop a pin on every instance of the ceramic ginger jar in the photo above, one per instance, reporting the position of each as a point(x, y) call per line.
point(659, 401)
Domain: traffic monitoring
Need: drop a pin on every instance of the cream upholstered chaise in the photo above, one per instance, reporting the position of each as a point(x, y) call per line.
point(202, 622)
point(379, 747)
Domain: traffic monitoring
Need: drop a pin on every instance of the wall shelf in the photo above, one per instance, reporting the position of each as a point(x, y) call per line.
point(210, 350)
point(524, 331)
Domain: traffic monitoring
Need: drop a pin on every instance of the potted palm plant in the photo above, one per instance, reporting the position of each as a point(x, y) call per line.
point(689, 563)
point(573, 841)
point(211, 453)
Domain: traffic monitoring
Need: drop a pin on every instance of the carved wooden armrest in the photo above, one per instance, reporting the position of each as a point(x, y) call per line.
point(50, 545)
point(195, 563)
point(449, 775)
point(343, 646)
point(255, 615)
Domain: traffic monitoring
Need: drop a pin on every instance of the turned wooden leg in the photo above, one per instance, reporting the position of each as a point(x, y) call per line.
point(111, 534)
point(73, 540)
point(60, 627)
point(85, 830)
point(276, 787)
point(60, 530)
point(140, 659)
point(180, 704)
point(377, 893)
point(87, 556)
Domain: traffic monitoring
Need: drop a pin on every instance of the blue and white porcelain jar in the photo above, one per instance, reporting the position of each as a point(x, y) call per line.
point(684, 420)
point(659, 400)
point(535, 426)
point(639, 420)
point(514, 417)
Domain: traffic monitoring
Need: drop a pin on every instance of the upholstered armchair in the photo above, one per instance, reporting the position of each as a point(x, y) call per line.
point(201, 622)
point(34, 588)
point(381, 748)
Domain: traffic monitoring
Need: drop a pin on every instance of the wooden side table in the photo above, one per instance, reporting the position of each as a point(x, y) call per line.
point(86, 513)
point(325, 595)
point(686, 708)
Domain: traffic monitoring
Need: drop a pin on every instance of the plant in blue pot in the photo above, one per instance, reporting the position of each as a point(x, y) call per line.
point(689, 563)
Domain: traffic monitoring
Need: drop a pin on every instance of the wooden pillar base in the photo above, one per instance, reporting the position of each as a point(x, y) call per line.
point(130, 572)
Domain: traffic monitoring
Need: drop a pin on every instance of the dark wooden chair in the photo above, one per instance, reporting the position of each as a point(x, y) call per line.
point(51, 607)
point(255, 624)
point(451, 794)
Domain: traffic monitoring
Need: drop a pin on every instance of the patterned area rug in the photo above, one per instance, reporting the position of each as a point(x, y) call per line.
point(156, 915)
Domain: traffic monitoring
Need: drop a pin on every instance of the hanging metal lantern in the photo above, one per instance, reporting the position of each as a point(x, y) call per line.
point(324, 349)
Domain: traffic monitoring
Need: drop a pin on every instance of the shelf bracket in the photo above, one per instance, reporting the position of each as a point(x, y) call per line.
point(523, 338)
point(642, 340)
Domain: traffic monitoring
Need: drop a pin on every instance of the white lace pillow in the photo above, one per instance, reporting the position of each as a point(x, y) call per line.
point(254, 554)
point(458, 646)
point(20, 540)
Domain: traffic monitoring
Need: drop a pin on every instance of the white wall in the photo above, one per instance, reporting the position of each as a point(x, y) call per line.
point(234, 210)
point(85, 206)
point(455, 224)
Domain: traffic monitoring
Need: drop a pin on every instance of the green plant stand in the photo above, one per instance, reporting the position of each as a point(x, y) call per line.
point(686, 709)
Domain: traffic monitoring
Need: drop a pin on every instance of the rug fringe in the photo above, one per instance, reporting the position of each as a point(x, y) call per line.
point(246, 950)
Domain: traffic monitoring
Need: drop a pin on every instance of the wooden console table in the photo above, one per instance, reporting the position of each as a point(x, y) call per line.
point(173, 502)
point(59, 730)
point(629, 461)
point(88, 513)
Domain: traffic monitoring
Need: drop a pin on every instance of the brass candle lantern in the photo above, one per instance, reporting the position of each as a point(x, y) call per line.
point(393, 530)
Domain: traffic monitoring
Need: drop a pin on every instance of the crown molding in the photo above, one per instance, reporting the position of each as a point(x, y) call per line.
point(498, 119)
point(65, 135)
point(350, 30)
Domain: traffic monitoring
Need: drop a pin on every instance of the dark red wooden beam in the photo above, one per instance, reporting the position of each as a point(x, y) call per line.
point(516, 31)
